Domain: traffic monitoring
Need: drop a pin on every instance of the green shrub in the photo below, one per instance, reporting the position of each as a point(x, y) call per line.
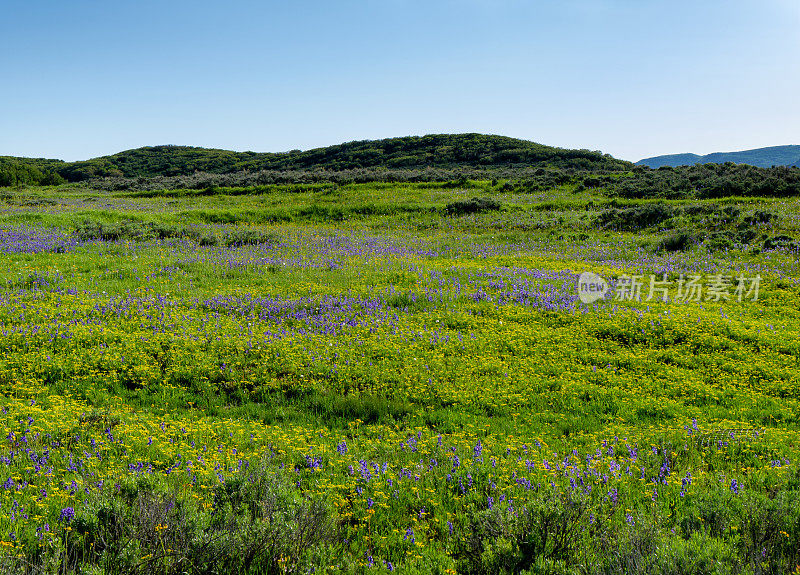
point(770, 532)
point(471, 206)
point(256, 524)
point(636, 217)
point(677, 242)
point(782, 242)
point(133, 231)
point(759, 217)
point(546, 532)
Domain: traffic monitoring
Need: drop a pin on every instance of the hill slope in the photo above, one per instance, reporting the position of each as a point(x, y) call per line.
point(36, 171)
point(671, 160)
point(412, 152)
point(761, 157)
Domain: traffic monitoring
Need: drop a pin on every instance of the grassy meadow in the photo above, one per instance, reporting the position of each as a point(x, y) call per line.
point(366, 378)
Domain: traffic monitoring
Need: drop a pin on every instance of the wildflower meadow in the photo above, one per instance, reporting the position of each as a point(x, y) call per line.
point(357, 378)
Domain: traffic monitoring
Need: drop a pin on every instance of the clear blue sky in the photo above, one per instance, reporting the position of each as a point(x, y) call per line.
point(632, 78)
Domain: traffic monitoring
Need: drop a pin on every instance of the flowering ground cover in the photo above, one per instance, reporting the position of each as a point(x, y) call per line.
point(359, 380)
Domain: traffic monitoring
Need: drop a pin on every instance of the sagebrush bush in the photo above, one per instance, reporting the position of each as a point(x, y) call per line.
point(548, 531)
point(471, 206)
point(256, 525)
point(677, 241)
point(781, 242)
point(133, 231)
point(636, 217)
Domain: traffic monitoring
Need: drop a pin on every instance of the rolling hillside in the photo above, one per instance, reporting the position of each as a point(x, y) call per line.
point(38, 171)
point(408, 152)
point(412, 152)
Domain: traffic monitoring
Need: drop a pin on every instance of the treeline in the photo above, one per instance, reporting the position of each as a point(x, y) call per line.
point(688, 182)
point(30, 172)
point(523, 179)
point(702, 181)
point(446, 151)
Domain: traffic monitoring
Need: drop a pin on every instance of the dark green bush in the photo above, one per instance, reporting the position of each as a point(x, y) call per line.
point(677, 242)
point(759, 217)
point(721, 241)
point(783, 242)
point(256, 525)
point(208, 240)
point(133, 231)
point(770, 532)
point(545, 533)
point(471, 206)
point(636, 217)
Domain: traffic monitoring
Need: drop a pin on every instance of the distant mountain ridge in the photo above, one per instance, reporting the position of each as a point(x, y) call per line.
point(761, 157)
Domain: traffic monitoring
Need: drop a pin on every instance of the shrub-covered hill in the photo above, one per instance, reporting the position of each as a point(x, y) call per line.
point(412, 152)
point(36, 171)
point(456, 157)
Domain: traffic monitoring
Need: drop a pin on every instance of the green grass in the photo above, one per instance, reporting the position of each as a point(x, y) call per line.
point(254, 346)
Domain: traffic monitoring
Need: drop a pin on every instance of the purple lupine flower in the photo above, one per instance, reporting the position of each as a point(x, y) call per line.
point(67, 514)
point(477, 452)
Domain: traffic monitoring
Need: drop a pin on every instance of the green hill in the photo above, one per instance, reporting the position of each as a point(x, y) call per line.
point(760, 157)
point(412, 152)
point(670, 160)
point(36, 171)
